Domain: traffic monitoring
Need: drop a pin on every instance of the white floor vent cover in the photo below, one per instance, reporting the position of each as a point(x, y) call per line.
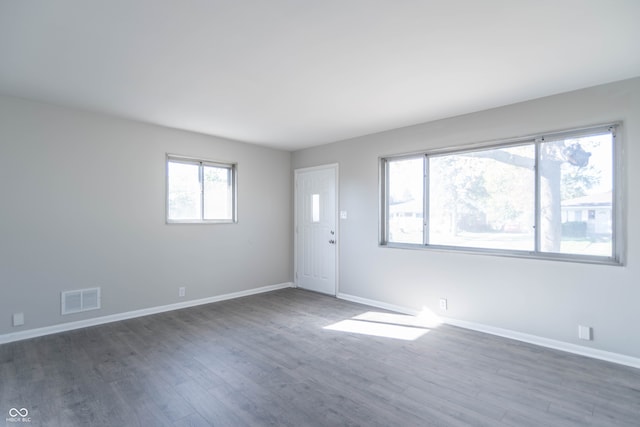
point(80, 300)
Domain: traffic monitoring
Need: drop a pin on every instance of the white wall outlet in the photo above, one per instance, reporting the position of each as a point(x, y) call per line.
point(585, 333)
point(343, 214)
point(18, 319)
point(182, 291)
point(443, 304)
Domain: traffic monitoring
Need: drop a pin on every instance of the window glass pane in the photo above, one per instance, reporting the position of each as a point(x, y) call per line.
point(315, 208)
point(483, 199)
point(218, 193)
point(184, 191)
point(406, 196)
point(576, 187)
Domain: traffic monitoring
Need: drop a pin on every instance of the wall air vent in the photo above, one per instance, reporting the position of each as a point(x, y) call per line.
point(80, 300)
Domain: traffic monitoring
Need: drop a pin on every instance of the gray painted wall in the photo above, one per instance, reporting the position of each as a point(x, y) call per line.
point(543, 298)
point(83, 205)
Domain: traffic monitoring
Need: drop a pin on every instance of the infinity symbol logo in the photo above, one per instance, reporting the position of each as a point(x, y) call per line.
point(23, 412)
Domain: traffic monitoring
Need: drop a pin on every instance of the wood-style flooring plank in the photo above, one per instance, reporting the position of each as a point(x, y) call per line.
point(269, 360)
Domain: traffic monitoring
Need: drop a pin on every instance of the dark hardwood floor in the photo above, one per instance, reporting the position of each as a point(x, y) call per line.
point(268, 360)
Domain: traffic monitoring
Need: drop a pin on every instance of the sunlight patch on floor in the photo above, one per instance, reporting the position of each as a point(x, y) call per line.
point(389, 325)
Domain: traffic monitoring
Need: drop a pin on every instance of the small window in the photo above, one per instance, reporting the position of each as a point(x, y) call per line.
point(550, 196)
point(200, 191)
point(315, 208)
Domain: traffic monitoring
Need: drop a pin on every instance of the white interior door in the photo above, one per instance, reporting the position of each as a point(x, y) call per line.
point(315, 228)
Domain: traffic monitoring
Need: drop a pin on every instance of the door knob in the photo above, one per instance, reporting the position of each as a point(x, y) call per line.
point(333, 242)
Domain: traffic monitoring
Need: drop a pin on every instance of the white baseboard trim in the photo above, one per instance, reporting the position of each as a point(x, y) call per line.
point(594, 353)
point(69, 326)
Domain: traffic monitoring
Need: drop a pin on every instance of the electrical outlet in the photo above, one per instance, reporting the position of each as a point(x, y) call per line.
point(18, 319)
point(182, 291)
point(443, 304)
point(585, 333)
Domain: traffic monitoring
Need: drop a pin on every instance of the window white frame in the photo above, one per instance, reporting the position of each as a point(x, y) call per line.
point(202, 163)
point(617, 255)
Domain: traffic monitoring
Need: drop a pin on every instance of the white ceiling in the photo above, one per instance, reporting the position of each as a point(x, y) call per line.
point(296, 73)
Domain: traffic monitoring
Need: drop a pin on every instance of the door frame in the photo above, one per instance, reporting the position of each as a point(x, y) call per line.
point(336, 170)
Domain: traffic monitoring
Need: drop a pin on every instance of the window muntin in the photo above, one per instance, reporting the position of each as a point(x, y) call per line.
point(548, 197)
point(200, 191)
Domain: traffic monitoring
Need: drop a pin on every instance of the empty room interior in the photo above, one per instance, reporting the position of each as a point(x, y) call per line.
point(320, 213)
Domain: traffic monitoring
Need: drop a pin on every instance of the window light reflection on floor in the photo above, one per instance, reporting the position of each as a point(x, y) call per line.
point(389, 325)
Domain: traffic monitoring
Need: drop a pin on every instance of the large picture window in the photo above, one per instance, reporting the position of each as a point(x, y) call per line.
point(200, 191)
point(552, 196)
